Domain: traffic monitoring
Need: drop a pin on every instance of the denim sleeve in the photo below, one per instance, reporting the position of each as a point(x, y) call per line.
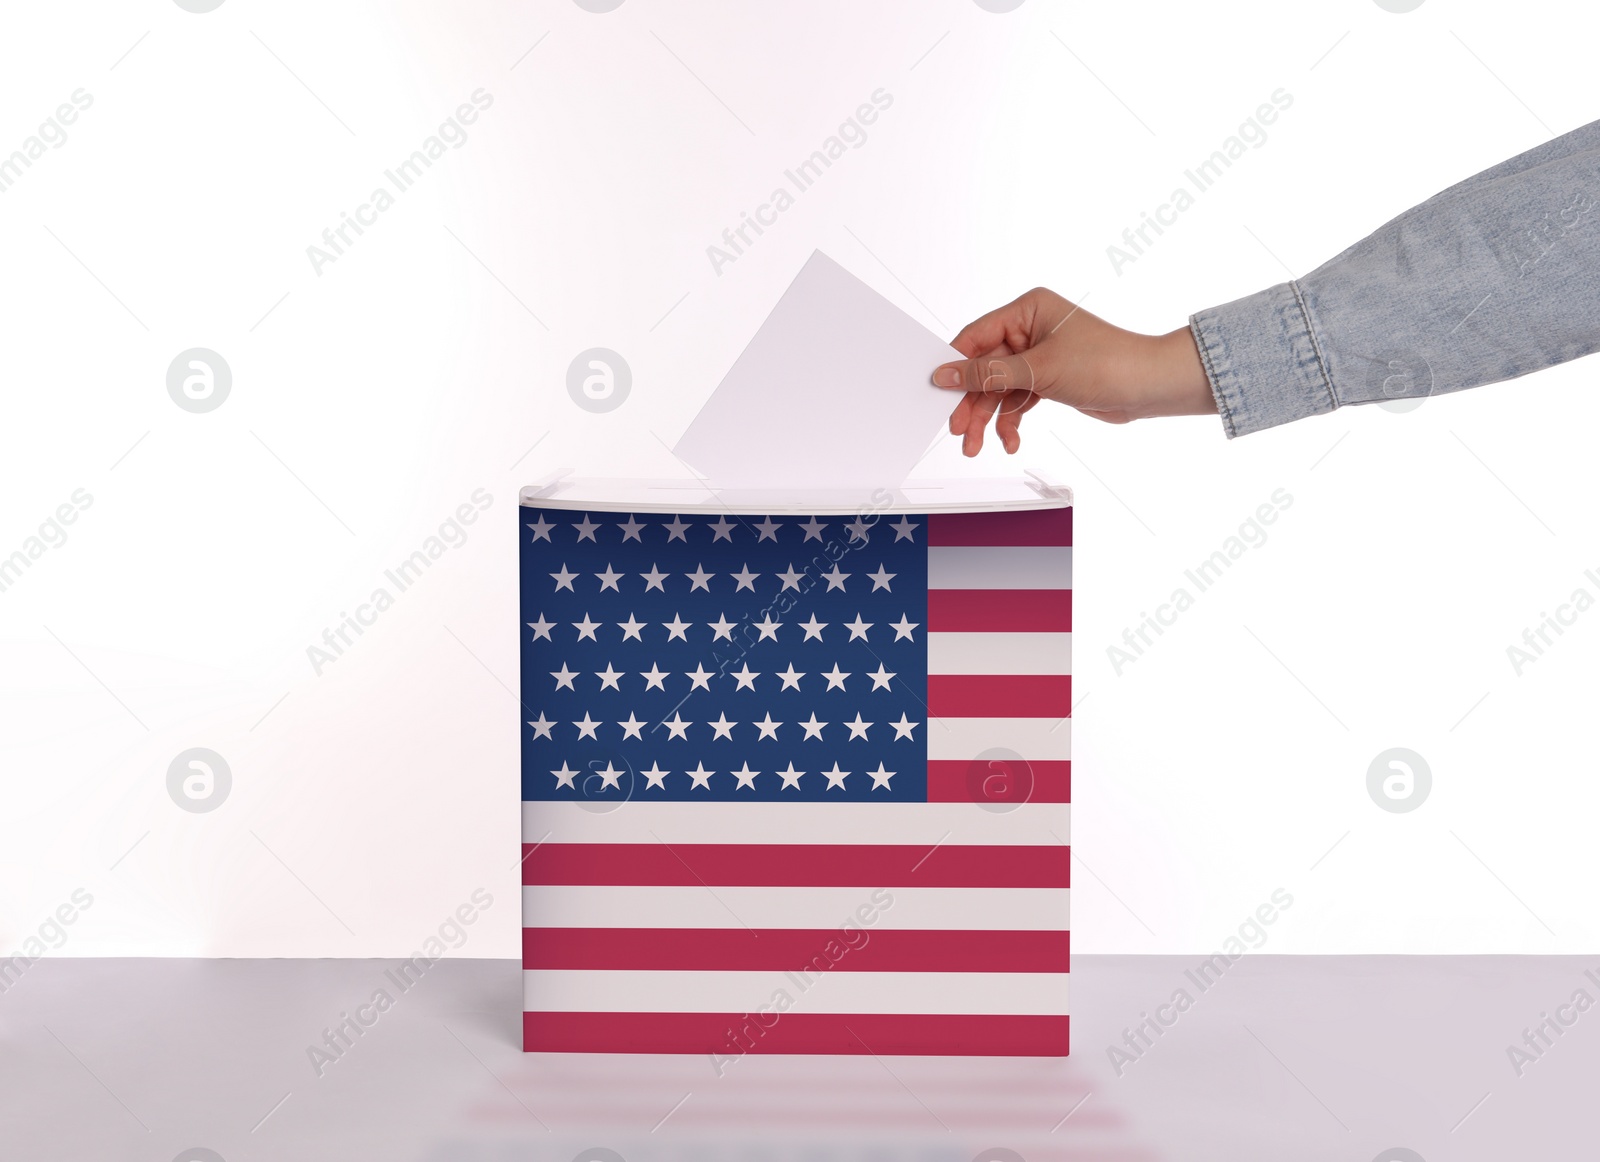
point(1497, 276)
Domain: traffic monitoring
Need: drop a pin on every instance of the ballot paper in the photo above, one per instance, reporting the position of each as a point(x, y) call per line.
point(834, 391)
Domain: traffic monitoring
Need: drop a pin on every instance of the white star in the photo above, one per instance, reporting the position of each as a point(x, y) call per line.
point(768, 529)
point(610, 777)
point(608, 678)
point(880, 778)
point(903, 628)
point(836, 678)
point(678, 727)
point(746, 777)
point(564, 776)
point(813, 628)
point(630, 728)
point(609, 579)
point(881, 579)
point(835, 579)
point(586, 727)
point(790, 579)
point(675, 628)
point(722, 727)
point(904, 727)
point(654, 679)
point(586, 628)
point(700, 678)
point(745, 677)
point(586, 529)
point(858, 628)
point(564, 677)
point(790, 777)
point(858, 529)
point(656, 777)
point(630, 628)
point(541, 728)
point(813, 728)
point(699, 578)
point(791, 679)
point(767, 727)
point(563, 580)
point(722, 530)
point(541, 628)
point(722, 628)
point(813, 529)
point(881, 680)
point(630, 531)
point(654, 578)
point(769, 628)
point(903, 528)
point(541, 529)
point(858, 729)
point(746, 579)
point(700, 777)
point(676, 530)
point(835, 777)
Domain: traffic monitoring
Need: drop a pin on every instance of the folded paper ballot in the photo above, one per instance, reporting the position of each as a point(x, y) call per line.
point(833, 391)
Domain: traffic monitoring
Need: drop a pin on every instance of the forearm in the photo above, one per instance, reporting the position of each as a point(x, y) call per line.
point(1497, 276)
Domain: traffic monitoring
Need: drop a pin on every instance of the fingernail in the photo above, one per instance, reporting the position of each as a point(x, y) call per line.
point(947, 376)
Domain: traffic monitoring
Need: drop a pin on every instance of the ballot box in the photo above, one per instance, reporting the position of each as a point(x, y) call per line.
point(796, 768)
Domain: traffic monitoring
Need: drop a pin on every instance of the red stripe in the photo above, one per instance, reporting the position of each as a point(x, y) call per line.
point(884, 1034)
point(999, 610)
point(999, 781)
point(823, 865)
point(795, 949)
point(1043, 526)
point(1000, 695)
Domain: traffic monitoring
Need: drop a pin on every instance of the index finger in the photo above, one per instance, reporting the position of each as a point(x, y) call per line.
point(1005, 326)
point(989, 332)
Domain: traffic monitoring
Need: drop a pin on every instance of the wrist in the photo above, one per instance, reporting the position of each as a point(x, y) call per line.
point(1179, 377)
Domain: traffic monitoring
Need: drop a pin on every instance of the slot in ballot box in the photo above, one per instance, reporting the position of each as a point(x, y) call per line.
point(796, 768)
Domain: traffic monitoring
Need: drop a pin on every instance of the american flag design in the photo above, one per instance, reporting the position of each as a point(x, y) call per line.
point(796, 784)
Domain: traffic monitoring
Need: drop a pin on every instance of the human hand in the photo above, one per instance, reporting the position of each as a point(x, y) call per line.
point(1043, 347)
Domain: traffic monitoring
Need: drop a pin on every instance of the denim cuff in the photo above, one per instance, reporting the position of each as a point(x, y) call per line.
point(1262, 360)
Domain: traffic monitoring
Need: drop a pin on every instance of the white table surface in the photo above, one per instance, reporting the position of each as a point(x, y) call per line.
point(1284, 1058)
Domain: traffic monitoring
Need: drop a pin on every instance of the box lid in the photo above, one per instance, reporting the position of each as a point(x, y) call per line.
point(1028, 490)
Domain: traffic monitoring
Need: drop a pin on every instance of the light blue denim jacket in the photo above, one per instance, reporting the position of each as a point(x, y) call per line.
point(1492, 278)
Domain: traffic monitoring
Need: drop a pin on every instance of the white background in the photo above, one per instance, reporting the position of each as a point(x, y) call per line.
point(372, 399)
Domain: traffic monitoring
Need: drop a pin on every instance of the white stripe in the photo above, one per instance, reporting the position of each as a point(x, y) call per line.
point(999, 567)
point(635, 822)
point(999, 653)
point(958, 909)
point(835, 990)
point(1032, 738)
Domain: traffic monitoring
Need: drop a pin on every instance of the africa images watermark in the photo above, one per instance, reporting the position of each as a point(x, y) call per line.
point(852, 936)
point(1252, 132)
point(852, 132)
point(1250, 535)
point(854, 535)
point(1537, 1041)
point(1248, 937)
point(404, 977)
point(51, 133)
point(403, 177)
point(50, 535)
point(1537, 638)
point(1544, 235)
point(49, 936)
point(451, 534)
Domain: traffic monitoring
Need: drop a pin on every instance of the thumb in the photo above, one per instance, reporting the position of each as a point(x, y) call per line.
point(987, 374)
